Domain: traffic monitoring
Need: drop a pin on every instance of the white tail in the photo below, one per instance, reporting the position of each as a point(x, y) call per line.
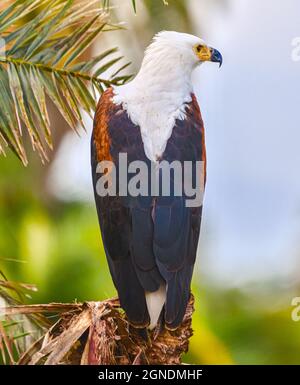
point(155, 302)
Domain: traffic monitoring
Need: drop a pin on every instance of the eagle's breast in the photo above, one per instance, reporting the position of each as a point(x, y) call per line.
point(155, 116)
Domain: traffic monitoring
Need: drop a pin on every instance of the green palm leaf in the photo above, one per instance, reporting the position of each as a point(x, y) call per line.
point(17, 333)
point(44, 42)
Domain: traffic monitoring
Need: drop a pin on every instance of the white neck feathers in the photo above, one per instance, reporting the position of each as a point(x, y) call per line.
point(157, 96)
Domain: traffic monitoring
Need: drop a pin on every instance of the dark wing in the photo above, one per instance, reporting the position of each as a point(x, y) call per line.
point(125, 222)
point(176, 226)
point(148, 240)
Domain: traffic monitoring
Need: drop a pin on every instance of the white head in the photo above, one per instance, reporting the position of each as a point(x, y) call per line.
point(157, 96)
point(168, 64)
point(175, 49)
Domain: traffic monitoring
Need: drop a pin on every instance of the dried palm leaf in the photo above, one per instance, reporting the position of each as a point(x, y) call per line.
point(95, 333)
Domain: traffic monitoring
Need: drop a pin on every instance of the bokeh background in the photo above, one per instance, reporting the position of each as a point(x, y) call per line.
point(248, 268)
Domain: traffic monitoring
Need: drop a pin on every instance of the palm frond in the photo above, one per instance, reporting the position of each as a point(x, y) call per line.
point(44, 40)
point(17, 332)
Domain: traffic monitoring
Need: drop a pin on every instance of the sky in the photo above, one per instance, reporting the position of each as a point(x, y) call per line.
point(251, 110)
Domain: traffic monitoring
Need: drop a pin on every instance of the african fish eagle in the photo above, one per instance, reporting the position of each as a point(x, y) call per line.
point(151, 240)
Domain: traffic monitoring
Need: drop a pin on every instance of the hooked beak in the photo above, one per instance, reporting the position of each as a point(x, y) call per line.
point(210, 54)
point(216, 56)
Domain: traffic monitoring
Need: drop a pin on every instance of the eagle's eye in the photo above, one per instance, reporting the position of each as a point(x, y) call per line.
point(199, 47)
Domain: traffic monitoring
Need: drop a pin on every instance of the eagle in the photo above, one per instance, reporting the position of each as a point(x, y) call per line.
point(151, 240)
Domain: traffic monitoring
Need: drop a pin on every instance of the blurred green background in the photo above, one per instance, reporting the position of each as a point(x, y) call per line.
point(49, 232)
